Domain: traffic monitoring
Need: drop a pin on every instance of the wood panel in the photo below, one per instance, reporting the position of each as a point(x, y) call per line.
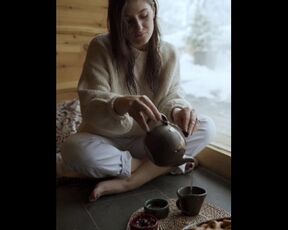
point(68, 74)
point(65, 59)
point(83, 4)
point(64, 96)
point(82, 12)
point(216, 160)
point(70, 57)
point(71, 38)
point(80, 30)
point(78, 21)
point(96, 18)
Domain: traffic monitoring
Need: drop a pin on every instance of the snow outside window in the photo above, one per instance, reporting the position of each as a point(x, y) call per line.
point(201, 31)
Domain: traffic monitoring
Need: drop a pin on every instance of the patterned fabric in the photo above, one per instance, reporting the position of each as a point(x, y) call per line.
point(68, 119)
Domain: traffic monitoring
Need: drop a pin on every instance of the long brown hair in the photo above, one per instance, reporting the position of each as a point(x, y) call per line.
point(122, 52)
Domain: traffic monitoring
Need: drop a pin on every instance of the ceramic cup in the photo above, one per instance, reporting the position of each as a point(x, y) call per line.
point(190, 199)
point(157, 207)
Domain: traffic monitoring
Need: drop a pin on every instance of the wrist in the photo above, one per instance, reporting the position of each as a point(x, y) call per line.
point(119, 106)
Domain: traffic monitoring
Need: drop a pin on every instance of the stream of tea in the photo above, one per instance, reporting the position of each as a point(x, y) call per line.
point(191, 179)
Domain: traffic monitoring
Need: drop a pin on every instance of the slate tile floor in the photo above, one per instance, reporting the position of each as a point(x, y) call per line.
point(74, 212)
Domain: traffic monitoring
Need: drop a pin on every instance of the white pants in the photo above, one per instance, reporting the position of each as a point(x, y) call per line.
point(97, 156)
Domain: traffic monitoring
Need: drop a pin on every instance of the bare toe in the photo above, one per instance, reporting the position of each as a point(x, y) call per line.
point(95, 194)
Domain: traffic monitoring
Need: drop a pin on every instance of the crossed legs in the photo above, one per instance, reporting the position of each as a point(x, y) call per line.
point(97, 157)
point(142, 172)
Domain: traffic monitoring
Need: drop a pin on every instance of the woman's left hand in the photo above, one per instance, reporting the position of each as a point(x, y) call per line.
point(186, 119)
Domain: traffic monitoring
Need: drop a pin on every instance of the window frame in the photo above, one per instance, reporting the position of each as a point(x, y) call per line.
point(216, 160)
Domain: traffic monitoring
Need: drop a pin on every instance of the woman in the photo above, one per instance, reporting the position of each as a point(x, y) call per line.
point(129, 76)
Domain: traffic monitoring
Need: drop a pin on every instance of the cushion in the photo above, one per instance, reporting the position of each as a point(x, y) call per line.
point(68, 119)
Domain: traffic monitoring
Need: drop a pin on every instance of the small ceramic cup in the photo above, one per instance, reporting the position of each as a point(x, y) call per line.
point(157, 207)
point(190, 199)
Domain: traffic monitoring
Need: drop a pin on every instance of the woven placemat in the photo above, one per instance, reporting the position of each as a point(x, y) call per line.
point(177, 221)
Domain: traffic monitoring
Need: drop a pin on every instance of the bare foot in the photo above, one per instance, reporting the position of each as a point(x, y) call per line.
point(110, 187)
point(96, 193)
point(107, 187)
point(144, 173)
point(114, 186)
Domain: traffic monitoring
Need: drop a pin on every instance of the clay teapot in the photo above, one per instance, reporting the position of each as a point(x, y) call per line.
point(165, 144)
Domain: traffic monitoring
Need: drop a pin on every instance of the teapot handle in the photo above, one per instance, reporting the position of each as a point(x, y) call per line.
point(166, 122)
point(164, 119)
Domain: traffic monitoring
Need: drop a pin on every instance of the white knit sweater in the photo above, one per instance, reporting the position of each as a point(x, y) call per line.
point(100, 84)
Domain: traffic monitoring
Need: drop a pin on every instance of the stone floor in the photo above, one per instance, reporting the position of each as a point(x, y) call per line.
point(112, 212)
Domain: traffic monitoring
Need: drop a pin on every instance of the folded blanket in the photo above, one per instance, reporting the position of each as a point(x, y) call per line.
point(68, 119)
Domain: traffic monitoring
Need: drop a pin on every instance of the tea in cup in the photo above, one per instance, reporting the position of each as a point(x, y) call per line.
point(190, 199)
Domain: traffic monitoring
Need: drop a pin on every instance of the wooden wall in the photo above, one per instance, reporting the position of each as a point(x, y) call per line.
point(78, 21)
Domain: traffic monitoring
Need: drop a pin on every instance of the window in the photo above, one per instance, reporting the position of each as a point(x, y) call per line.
point(201, 31)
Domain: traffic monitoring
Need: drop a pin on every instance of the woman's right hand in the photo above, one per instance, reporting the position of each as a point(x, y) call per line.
point(140, 107)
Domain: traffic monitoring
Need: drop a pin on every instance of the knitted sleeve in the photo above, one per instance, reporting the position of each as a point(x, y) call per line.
point(95, 94)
